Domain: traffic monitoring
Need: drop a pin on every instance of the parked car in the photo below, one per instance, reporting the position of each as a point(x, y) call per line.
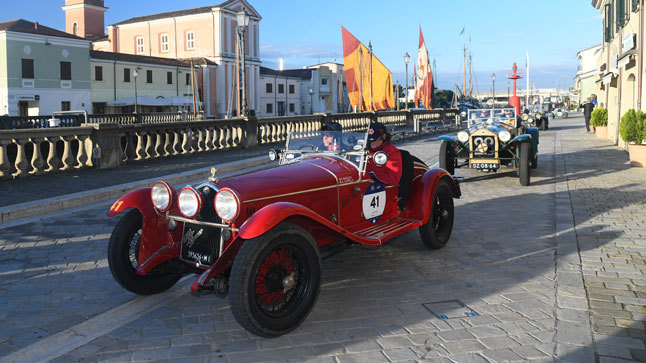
point(494, 138)
point(259, 236)
point(561, 112)
point(535, 117)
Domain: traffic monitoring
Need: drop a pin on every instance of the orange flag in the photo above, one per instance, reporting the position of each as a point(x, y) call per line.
point(358, 62)
point(423, 75)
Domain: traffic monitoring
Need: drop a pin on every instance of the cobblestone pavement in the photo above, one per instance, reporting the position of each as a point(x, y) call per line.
point(553, 271)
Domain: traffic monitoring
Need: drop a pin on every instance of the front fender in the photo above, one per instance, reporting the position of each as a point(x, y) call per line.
point(270, 215)
point(451, 140)
point(533, 131)
point(517, 140)
point(154, 228)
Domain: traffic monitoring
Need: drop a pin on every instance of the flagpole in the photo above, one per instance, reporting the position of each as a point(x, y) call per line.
point(360, 79)
point(370, 53)
point(527, 91)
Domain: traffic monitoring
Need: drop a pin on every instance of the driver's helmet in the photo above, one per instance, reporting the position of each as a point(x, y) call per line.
point(376, 130)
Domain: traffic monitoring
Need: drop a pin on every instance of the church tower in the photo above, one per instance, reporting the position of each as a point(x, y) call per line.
point(85, 18)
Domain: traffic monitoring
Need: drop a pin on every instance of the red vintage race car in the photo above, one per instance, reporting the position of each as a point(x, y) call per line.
point(259, 236)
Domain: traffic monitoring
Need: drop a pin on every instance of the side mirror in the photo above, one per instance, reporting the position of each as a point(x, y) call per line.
point(380, 158)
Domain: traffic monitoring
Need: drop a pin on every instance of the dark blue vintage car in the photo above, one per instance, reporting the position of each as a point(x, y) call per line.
point(493, 138)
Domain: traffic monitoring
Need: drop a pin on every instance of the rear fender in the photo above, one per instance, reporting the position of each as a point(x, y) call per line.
point(427, 186)
point(154, 228)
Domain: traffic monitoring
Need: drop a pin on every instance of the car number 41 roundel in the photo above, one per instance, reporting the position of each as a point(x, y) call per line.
point(374, 201)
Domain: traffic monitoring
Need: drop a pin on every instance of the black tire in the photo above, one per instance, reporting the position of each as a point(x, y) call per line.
point(543, 125)
point(447, 157)
point(524, 163)
point(123, 251)
point(436, 232)
point(260, 300)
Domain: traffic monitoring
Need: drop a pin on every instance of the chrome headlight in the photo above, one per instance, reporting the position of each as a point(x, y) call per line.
point(227, 204)
point(463, 136)
point(380, 158)
point(189, 201)
point(161, 195)
point(524, 117)
point(530, 120)
point(539, 115)
point(463, 114)
point(504, 136)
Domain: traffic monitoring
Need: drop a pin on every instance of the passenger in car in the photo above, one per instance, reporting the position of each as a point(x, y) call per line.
point(379, 140)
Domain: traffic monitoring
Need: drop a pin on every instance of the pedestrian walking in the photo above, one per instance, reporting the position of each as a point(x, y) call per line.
point(588, 106)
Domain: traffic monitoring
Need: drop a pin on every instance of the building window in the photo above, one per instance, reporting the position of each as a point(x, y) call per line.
point(635, 5)
point(281, 88)
point(66, 71)
point(98, 73)
point(607, 26)
point(75, 28)
point(27, 68)
point(190, 40)
point(270, 108)
point(98, 107)
point(140, 45)
point(291, 89)
point(323, 81)
point(149, 76)
point(268, 88)
point(188, 79)
point(292, 107)
point(619, 13)
point(169, 77)
point(66, 106)
point(126, 75)
point(164, 42)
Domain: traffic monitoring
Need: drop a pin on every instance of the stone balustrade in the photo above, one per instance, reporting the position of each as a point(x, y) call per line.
point(122, 139)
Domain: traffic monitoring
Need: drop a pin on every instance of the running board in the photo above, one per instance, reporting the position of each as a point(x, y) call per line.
point(382, 232)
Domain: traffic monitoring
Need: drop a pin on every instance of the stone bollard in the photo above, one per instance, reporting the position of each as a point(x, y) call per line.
point(250, 132)
point(108, 139)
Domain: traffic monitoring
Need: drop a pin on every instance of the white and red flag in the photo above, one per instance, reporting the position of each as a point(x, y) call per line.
point(423, 75)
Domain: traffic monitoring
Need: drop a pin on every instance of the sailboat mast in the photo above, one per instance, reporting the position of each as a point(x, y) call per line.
point(470, 77)
point(464, 73)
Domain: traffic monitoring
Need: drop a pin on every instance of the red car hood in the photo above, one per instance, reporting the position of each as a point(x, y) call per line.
point(308, 174)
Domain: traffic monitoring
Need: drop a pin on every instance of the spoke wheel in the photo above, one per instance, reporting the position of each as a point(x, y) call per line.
point(437, 230)
point(123, 259)
point(275, 280)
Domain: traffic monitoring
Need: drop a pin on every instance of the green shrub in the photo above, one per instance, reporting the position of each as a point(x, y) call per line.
point(599, 117)
point(632, 127)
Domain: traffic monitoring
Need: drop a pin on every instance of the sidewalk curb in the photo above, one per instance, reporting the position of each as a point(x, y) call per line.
point(30, 209)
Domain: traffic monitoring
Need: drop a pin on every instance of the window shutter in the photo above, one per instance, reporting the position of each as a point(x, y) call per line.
point(619, 12)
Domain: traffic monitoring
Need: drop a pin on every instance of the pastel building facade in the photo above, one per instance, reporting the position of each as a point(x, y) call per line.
point(207, 32)
point(279, 93)
point(42, 70)
point(587, 73)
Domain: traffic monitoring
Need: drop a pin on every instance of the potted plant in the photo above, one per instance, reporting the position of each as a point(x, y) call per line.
point(599, 119)
point(632, 129)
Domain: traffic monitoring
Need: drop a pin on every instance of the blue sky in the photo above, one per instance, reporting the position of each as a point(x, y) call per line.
point(306, 32)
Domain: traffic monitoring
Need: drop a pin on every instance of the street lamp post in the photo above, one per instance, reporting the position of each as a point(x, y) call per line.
point(135, 74)
point(243, 21)
point(508, 85)
point(493, 89)
point(406, 60)
point(311, 102)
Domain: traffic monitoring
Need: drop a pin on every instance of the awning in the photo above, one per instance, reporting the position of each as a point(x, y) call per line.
point(626, 58)
point(150, 101)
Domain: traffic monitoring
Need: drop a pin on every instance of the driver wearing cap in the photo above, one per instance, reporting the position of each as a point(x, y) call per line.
point(379, 140)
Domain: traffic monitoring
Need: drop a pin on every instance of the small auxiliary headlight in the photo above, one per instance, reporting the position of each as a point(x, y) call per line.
point(273, 155)
point(380, 158)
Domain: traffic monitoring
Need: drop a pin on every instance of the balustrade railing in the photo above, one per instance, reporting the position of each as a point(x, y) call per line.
point(34, 148)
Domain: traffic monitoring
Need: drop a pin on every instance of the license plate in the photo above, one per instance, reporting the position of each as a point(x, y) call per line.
point(484, 166)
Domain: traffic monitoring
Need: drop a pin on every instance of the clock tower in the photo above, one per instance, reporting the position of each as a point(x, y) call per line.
point(85, 18)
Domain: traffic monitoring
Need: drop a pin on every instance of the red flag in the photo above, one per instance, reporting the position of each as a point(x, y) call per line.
point(423, 75)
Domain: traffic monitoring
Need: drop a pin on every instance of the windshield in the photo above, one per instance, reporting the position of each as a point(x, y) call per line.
point(504, 115)
point(349, 145)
